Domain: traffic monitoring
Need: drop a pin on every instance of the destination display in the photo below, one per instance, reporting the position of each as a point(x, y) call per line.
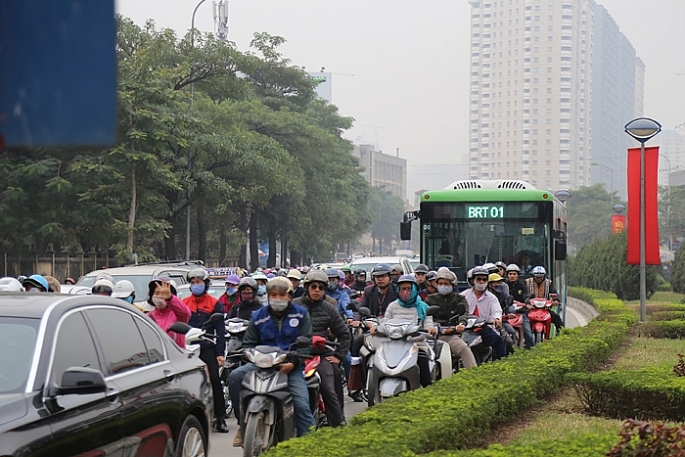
point(488, 211)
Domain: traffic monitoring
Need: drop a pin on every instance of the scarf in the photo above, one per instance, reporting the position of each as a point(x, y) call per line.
point(415, 302)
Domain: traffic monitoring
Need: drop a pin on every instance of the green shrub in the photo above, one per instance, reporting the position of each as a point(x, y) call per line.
point(649, 439)
point(678, 271)
point(657, 308)
point(459, 412)
point(667, 316)
point(587, 445)
point(664, 329)
point(649, 393)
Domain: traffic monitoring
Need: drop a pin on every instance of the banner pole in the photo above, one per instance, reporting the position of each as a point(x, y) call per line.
point(643, 279)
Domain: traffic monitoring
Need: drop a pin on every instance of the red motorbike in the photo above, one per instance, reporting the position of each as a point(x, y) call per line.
point(321, 347)
point(540, 317)
point(517, 323)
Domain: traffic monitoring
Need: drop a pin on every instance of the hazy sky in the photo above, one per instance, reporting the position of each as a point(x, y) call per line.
point(410, 59)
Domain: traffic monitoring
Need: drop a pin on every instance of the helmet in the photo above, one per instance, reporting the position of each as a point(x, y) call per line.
point(282, 273)
point(421, 268)
point(360, 272)
point(491, 267)
point(200, 273)
point(248, 282)
point(346, 269)
point(469, 274)
point(500, 264)
point(232, 279)
point(539, 271)
point(270, 275)
point(316, 276)
point(10, 285)
point(432, 276)
point(513, 267)
point(396, 268)
point(53, 284)
point(380, 269)
point(104, 275)
point(21, 278)
point(70, 281)
point(124, 289)
point(341, 275)
point(494, 277)
point(332, 273)
point(104, 285)
point(152, 285)
point(407, 278)
point(259, 275)
point(448, 275)
point(294, 274)
point(280, 284)
point(36, 281)
point(480, 271)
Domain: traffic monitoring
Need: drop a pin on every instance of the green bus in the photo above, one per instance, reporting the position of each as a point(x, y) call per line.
point(473, 222)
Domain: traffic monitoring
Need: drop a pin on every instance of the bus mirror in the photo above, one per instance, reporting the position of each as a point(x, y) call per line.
point(405, 231)
point(560, 246)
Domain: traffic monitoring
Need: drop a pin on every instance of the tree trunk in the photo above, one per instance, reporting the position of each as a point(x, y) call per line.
point(284, 253)
point(296, 258)
point(380, 246)
point(243, 221)
point(202, 233)
point(222, 248)
point(271, 261)
point(132, 212)
point(254, 244)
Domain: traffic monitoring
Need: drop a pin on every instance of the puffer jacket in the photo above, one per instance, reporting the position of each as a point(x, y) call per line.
point(201, 308)
point(325, 318)
point(244, 310)
point(175, 311)
point(448, 308)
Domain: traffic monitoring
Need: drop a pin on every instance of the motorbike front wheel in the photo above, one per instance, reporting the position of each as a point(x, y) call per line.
point(539, 337)
point(258, 436)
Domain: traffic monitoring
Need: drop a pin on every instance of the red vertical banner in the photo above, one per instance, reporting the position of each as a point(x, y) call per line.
point(652, 256)
point(618, 224)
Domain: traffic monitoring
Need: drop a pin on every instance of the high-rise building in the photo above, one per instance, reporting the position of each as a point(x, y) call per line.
point(671, 154)
point(383, 170)
point(531, 108)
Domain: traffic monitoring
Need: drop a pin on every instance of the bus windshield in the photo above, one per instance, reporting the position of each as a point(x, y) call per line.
point(462, 235)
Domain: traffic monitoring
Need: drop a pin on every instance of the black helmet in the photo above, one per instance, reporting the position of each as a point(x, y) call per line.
point(431, 276)
point(421, 268)
point(501, 264)
point(360, 272)
point(381, 269)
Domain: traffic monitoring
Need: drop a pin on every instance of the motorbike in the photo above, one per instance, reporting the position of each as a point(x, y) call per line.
point(235, 331)
point(322, 348)
point(446, 363)
point(265, 399)
point(540, 318)
point(394, 367)
point(471, 336)
point(370, 343)
point(194, 336)
point(517, 323)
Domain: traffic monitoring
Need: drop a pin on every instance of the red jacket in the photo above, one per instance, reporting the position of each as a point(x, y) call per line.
point(176, 311)
point(229, 302)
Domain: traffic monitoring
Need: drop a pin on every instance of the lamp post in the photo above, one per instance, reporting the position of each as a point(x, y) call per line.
point(642, 129)
point(595, 164)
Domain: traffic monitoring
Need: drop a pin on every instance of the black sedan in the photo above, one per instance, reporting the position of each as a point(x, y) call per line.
point(91, 376)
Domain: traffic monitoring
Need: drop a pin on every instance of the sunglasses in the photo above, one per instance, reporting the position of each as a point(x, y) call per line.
point(317, 286)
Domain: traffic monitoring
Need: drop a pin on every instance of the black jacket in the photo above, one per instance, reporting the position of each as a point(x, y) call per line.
point(518, 290)
point(325, 318)
point(375, 301)
point(449, 307)
point(244, 310)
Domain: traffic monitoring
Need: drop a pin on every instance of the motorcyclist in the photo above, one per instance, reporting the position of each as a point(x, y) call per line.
point(431, 285)
point(333, 290)
point(10, 285)
point(35, 283)
point(247, 293)
point(501, 268)
point(326, 319)
point(360, 282)
point(506, 302)
point(53, 284)
point(295, 278)
point(277, 324)
point(420, 273)
point(168, 308)
point(453, 312)
point(382, 293)
point(484, 304)
point(410, 307)
point(518, 290)
point(541, 287)
point(230, 297)
point(349, 278)
point(395, 272)
point(261, 279)
point(124, 290)
point(202, 306)
point(103, 287)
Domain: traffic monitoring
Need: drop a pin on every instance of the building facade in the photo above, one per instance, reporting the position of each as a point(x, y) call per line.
point(531, 99)
point(383, 170)
point(671, 157)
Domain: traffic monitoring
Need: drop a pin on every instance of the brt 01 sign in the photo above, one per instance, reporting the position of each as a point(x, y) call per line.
point(485, 211)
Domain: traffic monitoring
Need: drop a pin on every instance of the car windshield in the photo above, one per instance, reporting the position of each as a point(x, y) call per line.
point(18, 341)
point(140, 283)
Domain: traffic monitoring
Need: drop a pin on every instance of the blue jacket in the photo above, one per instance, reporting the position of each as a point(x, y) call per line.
point(343, 299)
point(266, 328)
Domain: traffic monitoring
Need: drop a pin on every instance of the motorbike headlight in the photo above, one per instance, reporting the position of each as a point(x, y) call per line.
point(395, 332)
point(249, 355)
point(539, 303)
point(263, 360)
point(476, 342)
point(235, 327)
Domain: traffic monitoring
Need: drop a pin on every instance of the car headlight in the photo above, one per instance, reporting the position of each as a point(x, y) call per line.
point(263, 360)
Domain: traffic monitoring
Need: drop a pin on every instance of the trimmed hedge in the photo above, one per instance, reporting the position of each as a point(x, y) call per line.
point(667, 316)
point(650, 393)
point(664, 329)
point(587, 445)
point(460, 411)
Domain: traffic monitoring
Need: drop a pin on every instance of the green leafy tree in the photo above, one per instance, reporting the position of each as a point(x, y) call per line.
point(678, 272)
point(589, 213)
point(386, 212)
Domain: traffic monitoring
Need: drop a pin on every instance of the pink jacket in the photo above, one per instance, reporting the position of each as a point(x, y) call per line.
point(176, 311)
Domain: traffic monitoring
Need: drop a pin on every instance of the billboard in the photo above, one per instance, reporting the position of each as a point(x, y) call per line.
point(324, 87)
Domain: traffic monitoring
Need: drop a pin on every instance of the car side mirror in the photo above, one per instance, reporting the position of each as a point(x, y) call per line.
point(433, 309)
point(405, 231)
point(560, 245)
point(81, 381)
point(364, 311)
point(179, 327)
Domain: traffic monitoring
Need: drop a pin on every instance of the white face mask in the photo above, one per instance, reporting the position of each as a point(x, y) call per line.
point(159, 303)
point(481, 286)
point(445, 290)
point(278, 305)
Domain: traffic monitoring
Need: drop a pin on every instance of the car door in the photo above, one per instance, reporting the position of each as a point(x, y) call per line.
point(150, 391)
point(81, 424)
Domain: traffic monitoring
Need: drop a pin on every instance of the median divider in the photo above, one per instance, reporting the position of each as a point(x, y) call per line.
point(459, 412)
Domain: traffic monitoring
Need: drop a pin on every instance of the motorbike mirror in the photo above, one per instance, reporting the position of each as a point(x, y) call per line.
point(179, 327)
point(303, 341)
point(216, 317)
point(364, 311)
point(432, 310)
point(461, 309)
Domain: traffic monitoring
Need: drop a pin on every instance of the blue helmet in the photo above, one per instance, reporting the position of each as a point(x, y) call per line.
point(381, 269)
point(37, 281)
point(407, 278)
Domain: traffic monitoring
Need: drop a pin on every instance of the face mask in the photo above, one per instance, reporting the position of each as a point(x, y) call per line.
point(231, 291)
point(197, 289)
point(129, 300)
point(261, 290)
point(445, 290)
point(278, 305)
point(499, 288)
point(481, 286)
point(332, 286)
point(159, 303)
point(405, 294)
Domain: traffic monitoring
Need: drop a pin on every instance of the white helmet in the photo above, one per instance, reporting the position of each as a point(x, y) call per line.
point(259, 275)
point(123, 289)
point(539, 271)
point(10, 285)
point(513, 267)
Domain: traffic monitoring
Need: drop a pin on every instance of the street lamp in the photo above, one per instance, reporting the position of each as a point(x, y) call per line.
point(566, 181)
point(595, 164)
point(642, 129)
